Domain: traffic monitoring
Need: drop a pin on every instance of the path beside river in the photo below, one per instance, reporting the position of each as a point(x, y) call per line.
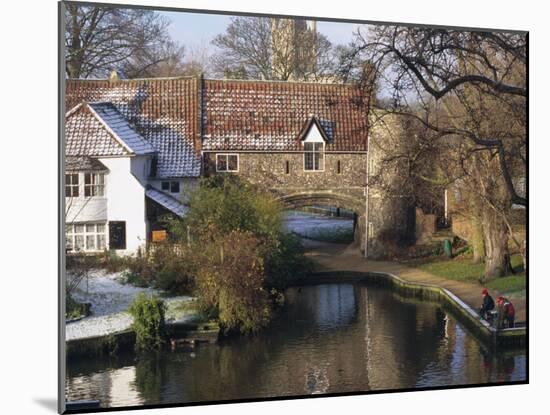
point(337, 257)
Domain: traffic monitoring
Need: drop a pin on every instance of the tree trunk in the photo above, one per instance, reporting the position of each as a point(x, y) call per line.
point(478, 244)
point(497, 259)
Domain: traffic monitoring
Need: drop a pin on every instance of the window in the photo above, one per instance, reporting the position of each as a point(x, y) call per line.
point(94, 184)
point(71, 185)
point(227, 162)
point(338, 167)
point(85, 237)
point(287, 167)
point(117, 235)
point(314, 157)
point(173, 187)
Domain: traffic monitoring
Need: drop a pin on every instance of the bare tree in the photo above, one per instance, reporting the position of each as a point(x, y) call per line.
point(441, 63)
point(280, 49)
point(100, 39)
point(245, 44)
point(478, 81)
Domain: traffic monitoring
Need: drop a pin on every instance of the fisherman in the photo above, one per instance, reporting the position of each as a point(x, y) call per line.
point(506, 313)
point(487, 305)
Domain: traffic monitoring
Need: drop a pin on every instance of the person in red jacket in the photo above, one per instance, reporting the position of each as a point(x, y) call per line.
point(506, 313)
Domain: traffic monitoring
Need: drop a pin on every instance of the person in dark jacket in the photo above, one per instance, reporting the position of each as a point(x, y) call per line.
point(487, 305)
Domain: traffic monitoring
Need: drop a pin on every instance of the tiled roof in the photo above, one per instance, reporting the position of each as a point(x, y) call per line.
point(325, 128)
point(235, 115)
point(75, 163)
point(163, 111)
point(86, 135)
point(168, 202)
point(257, 115)
point(119, 125)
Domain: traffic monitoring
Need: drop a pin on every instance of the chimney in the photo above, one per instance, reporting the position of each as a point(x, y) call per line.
point(113, 77)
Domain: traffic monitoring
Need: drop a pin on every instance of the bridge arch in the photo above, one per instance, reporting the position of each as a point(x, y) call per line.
point(351, 203)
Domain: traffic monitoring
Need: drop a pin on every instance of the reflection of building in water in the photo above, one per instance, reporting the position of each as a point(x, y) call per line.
point(402, 332)
point(123, 390)
point(112, 387)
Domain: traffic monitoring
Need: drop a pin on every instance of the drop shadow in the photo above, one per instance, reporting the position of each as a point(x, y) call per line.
point(48, 403)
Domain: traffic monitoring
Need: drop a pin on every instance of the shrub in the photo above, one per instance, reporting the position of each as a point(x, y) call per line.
point(112, 262)
point(285, 262)
point(237, 251)
point(149, 323)
point(74, 309)
point(164, 266)
point(172, 268)
point(230, 280)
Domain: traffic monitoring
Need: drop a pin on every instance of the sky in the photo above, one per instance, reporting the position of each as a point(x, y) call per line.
point(196, 30)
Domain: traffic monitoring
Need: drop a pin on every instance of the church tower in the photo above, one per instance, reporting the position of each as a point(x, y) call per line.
point(294, 49)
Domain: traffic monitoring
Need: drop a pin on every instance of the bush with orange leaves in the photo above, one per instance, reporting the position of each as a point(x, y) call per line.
point(230, 280)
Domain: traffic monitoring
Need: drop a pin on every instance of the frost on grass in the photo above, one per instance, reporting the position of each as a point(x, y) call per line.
point(308, 224)
point(110, 299)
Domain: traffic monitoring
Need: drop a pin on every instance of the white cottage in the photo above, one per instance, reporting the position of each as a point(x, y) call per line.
point(118, 182)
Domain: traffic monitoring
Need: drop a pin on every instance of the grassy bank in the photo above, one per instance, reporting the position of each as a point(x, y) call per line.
point(462, 269)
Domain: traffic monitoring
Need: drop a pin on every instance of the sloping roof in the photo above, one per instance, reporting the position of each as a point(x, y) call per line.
point(86, 135)
point(168, 202)
point(258, 115)
point(181, 116)
point(75, 163)
point(120, 127)
point(315, 122)
point(163, 111)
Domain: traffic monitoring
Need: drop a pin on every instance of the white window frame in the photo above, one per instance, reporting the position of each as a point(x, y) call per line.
point(321, 152)
point(72, 185)
point(226, 155)
point(94, 185)
point(71, 234)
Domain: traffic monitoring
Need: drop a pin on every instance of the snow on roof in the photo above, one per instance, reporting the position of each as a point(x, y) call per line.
point(121, 129)
point(86, 135)
point(246, 115)
point(168, 202)
point(165, 112)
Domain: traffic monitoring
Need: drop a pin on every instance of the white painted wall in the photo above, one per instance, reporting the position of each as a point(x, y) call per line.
point(186, 187)
point(125, 193)
point(124, 199)
point(86, 209)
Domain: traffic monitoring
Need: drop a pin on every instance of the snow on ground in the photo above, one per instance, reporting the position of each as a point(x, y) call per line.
point(110, 299)
point(308, 224)
point(106, 292)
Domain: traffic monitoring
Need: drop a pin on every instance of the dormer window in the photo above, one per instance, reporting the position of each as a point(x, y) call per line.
point(314, 138)
point(314, 159)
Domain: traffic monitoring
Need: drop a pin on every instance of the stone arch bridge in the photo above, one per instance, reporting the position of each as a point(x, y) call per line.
point(355, 203)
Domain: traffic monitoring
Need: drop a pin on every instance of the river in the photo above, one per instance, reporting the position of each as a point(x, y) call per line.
point(328, 338)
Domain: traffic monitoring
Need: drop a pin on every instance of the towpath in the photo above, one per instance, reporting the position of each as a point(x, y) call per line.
point(336, 257)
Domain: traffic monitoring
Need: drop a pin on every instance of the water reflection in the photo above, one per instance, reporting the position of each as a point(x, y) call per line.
point(329, 338)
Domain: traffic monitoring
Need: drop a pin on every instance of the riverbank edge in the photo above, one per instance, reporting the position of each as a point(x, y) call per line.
point(209, 331)
point(490, 336)
point(109, 344)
